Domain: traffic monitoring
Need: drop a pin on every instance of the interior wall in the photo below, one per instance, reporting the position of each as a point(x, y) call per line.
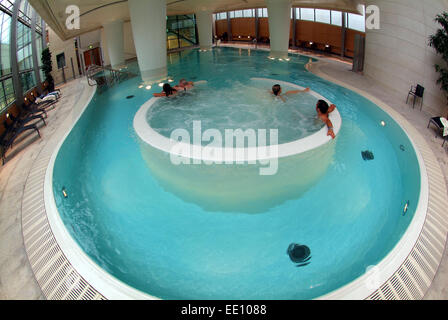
point(57, 46)
point(306, 31)
point(398, 54)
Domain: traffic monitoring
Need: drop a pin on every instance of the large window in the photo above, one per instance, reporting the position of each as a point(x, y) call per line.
point(7, 4)
point(307, 14)
point(336, 18)
point(249, 13)
point(24, 47)
point(353, 21)
point(323, 16)
point(5, 29)
point(7, 95)
point(221, 16)
point(24, 51)
point(238, 14)
point(27, 80)
point(181, 31)
point(356, 21)
point(263, 13)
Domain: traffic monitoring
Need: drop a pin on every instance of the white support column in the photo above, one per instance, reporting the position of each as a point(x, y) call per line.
point(148, 20)
point(115, 44)
point(204, 20)
point(279, 14)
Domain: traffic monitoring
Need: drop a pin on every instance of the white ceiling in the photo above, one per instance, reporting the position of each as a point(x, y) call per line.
point(94, 13)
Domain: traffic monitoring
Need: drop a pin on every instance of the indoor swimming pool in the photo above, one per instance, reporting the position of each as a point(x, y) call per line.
point(219, 231)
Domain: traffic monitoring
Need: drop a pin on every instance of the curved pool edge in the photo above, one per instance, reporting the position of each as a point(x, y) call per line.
point(151, 137)
point(387, 289)
point(409, 269)
point(62, 269)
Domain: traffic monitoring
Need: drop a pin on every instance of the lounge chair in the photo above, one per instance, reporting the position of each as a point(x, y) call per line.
point(438, 123)
point(21, 121)
point(12, 132)
point(416, 92)
point(44, 105)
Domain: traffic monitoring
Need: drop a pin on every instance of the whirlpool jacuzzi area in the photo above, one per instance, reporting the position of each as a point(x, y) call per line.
point(164, 198)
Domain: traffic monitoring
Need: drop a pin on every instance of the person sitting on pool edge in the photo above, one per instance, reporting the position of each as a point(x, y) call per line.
point(184, 85)
point(168, 90)
point(277, 92)
point(323, 111)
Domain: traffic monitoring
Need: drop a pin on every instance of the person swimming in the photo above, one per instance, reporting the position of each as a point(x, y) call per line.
point(323, 111)
point(168, 90)
point(184, 85)
point(277, 92)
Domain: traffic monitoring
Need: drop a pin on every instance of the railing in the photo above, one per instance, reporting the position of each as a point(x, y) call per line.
point(105, 77)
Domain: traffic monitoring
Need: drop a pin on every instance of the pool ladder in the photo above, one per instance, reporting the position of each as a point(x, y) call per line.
point(110, 78)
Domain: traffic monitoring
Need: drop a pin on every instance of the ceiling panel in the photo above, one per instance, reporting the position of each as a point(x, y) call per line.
point(94, 13)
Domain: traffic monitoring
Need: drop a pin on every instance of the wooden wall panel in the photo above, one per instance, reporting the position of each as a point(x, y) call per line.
point(221, 27)
point(318, 33)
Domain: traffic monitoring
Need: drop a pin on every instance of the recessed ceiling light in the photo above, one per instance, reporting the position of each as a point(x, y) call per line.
point(148, 87)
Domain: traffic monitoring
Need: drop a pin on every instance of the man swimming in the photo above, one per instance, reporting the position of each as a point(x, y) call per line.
point(323, 111)
point(277, 92)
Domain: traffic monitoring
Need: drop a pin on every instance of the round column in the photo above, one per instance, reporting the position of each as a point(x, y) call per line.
point(115, 44)
point(204, 20)
point(148, 20)
point(279, 15)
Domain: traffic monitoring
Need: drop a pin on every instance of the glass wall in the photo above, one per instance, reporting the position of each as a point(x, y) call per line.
point(24, 50)
point(354, 21)
point(7, 95)
point(181, 31)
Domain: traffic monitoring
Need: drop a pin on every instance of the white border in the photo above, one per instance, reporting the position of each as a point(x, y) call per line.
point(108, 286)
point(112, 288)
point(359, 288)
point(155, 139)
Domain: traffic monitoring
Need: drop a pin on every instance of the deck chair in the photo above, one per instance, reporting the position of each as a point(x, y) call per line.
point(416, 92)
point(23, 120)
point(436, 122)
point(40, 104)
point(12, 132)
point(33, 109)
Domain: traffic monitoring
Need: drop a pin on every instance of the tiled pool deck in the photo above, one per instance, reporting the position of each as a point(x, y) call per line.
point(17, 280)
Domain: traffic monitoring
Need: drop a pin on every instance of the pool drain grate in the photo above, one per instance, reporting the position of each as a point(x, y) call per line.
point(130, 97)
point(367, 155)
point(299, 254)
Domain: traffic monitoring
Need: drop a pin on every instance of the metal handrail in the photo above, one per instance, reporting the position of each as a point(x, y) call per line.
point(114, 75)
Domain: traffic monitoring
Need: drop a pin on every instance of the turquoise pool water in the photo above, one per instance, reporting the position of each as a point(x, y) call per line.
point(238, 105)
point(122, 217)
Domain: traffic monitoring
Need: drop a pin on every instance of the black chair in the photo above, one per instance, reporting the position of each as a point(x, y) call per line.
point(436, 121)
point(416, 92)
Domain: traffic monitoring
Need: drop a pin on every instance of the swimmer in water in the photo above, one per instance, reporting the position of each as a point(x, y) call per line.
point(184, 85)
point(277, 92)
point(167, 91)
point(323, 112)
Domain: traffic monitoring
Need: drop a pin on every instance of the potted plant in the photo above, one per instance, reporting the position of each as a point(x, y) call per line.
point(439, 41)
point(47, 68)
